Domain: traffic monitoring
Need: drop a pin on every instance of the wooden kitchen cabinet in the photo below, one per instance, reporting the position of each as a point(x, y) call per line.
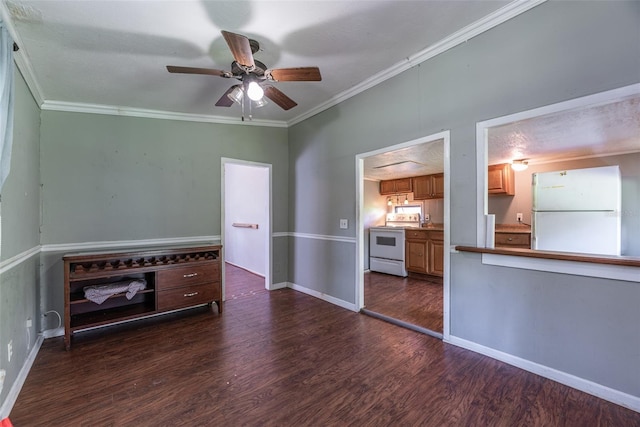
point(501, 180)
point(513, 240)
point(395, 186)
point(424, 251)
point(428, 187)
point(435, 266)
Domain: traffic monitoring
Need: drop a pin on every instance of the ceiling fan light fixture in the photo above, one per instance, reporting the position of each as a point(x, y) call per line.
point(254, 91)
point(236, 94)
point(519, 165)
point(260, 102)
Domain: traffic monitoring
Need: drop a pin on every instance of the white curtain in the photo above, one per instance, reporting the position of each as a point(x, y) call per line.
point(6, 102)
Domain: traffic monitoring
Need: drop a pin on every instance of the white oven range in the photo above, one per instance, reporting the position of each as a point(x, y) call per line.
point(386, 244)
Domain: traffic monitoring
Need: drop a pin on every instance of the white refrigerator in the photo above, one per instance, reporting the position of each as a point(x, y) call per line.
point(577, 211)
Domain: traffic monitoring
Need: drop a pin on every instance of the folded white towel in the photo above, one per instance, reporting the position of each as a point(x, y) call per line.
point(101, 293)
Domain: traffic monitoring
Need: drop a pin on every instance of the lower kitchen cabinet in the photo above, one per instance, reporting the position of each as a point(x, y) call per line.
point(513, 240)
point(416, 256)
point(435, 266)
point(424, 251)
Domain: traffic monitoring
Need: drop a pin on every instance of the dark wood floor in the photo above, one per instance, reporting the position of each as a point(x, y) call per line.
point(415, 301)
point(283, 358)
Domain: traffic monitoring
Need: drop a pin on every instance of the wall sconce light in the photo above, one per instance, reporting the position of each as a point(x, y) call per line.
point(519, 165)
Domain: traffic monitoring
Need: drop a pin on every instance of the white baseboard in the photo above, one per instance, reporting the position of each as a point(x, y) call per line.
point(245, 269)
point(280, 285)
point(52, 333)
point(11, 398)
point(324, 297)
point(595, 389)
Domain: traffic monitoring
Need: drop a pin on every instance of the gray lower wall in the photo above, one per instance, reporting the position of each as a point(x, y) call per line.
point(584, 326)
point(554, 52)
point(19, 283)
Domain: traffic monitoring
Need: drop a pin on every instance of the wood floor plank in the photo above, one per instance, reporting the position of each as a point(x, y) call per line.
point(418, 301)
point(283, 358)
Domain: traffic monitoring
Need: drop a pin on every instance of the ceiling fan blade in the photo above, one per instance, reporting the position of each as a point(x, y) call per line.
point(300, 74)
point(224, 100)
point(192, 70)
point(240, 48)
point(279, 98)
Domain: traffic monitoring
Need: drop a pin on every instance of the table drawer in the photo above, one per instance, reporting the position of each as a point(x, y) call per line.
point(189, 295)
point(513, 239)
point(187, 275)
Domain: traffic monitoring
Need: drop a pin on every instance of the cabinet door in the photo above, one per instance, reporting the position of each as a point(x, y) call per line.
point(421, 187)
point(416, 253)
point(501, 180)
point(437, 186)
point(428, 187)
point(403, 185)
point(387, 187)
point(436, 258)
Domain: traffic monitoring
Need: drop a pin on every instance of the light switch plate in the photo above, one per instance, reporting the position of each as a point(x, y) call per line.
point(344, 223)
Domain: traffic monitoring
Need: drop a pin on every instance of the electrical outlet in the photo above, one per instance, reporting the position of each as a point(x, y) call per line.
point(29, 322)
point(3, 373)
point(519, 217)
point(9, 350)
point(427, 217)
point(344, 223)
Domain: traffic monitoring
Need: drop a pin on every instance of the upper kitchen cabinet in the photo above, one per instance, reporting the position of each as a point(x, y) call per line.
point(428, 187)
point(394, 186)
point(501, 180)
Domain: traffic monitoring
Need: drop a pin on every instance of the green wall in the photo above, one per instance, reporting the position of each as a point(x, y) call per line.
point(554, 52)
point(19, 282)
point(108, 178)
point(112, 178)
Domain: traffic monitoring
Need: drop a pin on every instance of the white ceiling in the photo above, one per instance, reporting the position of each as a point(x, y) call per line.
point(114, 53)
point(111, 56)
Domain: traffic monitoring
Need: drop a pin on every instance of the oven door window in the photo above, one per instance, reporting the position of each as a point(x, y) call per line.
point(385, 241)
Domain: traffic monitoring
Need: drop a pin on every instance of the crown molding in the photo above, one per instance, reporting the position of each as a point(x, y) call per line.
point(20, 57)
point(490, 21)
point(114, 110)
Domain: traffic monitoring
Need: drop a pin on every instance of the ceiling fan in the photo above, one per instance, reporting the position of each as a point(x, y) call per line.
point(253, 75)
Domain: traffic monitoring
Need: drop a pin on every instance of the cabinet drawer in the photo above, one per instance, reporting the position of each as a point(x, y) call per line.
point(513, 239)
point(416, 234)
point(189, 295)
point(436, 235)
point(188, 275)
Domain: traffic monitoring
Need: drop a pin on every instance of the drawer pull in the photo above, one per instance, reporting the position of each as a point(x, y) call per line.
point(191, 294)
point(510, 239)
point(190, 275)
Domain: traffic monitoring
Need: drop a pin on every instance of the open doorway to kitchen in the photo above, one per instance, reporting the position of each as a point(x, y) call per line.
point(403, 272)
point(246, 217)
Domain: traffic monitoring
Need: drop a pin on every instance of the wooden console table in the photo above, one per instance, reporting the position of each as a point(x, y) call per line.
point(173, 278)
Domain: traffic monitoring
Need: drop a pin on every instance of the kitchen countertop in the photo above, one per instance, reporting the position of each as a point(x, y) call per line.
point(432, 226)
point(513, 228)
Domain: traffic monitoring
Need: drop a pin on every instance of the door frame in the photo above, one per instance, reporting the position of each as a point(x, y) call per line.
point(359, 273)
point(268, 274)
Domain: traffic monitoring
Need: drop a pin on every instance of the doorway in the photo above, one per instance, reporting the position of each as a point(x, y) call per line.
point(246, 217)
point(420, 155)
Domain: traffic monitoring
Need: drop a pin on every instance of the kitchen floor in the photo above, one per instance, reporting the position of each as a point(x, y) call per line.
point(415, 301)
